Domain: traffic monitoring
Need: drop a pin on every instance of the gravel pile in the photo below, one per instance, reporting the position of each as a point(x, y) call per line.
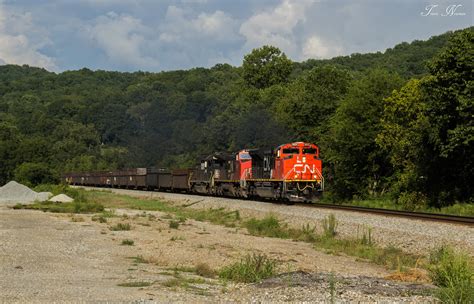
point(61, 198)
point(14, 192)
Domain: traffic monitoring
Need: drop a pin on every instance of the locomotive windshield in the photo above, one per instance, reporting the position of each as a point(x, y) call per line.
point(291, 151)
point(309, 151)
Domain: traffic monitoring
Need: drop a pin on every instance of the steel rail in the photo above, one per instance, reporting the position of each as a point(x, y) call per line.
point(437, 217)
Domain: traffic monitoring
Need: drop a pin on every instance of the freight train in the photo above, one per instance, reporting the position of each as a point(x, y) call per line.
point(290, 172)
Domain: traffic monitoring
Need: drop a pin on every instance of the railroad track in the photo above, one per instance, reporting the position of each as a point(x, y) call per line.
point(435, 217)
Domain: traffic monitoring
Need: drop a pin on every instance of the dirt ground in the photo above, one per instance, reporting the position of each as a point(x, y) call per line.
point(47, 257)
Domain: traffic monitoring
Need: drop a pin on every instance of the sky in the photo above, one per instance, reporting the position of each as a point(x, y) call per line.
point(160, 35)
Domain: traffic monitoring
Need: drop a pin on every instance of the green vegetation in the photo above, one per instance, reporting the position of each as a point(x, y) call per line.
point(174, 224)
point(395, 125)
point(251, 268)
point(135, 284)
point(269, 226)
point(74, 207)
point(330, 226)
point(121, 227)
point(128, 242)
point(183, 282)
point(453, 273)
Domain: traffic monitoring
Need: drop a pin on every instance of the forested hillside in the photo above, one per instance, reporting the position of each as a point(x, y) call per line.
point(398, 122)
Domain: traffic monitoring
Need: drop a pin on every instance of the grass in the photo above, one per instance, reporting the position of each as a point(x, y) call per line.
point(330, 226)
point(121, 227)
point(73, 207)
point(139, 260)
point(252, 268)
point(135, 284)
point(463, 209)
point(453, 273)
point(183, 282)
point(269, 226)
point(128, 242)
point(220, 216)
point(361, 245)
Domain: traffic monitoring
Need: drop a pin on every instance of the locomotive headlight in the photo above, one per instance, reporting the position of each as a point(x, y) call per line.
point(296, 175)
point(314, 176)
point(304, 159)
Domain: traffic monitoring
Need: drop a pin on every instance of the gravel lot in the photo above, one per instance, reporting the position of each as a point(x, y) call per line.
point(49, 257)
point(416, 236)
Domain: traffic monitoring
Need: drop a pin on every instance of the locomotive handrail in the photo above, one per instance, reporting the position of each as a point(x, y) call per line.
point(322, 178)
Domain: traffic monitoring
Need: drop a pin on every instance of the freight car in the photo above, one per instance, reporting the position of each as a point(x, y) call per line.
point(290, 172)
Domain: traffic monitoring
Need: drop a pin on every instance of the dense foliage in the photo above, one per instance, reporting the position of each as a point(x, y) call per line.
point(397, 122)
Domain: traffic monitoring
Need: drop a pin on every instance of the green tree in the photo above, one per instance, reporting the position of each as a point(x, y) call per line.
point(404, 136)
point(311, 100)
point(266, 66)
point(450, 110)
point(359, 166)
point(34, 174)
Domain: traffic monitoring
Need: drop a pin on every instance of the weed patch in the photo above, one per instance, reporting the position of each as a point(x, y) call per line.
point(128, 242)
point(121, 227)
point(174, 224)
point(269, 226)
point(329, 226)
point(135, 284)
point(453, 272)
point(74, 207)
point(252, 268)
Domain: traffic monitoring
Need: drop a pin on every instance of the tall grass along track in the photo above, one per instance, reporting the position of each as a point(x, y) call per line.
point(433, 217)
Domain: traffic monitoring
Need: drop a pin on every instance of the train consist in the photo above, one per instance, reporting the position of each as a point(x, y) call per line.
point(291, 172)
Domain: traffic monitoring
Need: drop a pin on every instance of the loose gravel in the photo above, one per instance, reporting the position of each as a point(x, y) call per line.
point(48, 257)
point(13, 193)
point(412, 235)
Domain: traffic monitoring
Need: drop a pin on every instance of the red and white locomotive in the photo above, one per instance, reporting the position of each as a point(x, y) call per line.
point(291, 172)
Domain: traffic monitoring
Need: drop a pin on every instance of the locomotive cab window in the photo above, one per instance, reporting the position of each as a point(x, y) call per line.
point(309, 151)
point(291, 151)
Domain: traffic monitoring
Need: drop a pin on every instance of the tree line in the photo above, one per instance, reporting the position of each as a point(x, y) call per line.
point(397, 124)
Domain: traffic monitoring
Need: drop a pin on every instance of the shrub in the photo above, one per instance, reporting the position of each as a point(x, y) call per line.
point(174, 224)
point(252, 268)
point(454, 274)
point(330, 226)
point(121, 227)
point(128, 242)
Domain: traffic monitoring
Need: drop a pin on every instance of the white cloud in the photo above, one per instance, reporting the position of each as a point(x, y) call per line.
point(21, 40)
point(315, 47)
point(123, 38)
point(288, 27)
point(182, 25)
point(276, 26)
